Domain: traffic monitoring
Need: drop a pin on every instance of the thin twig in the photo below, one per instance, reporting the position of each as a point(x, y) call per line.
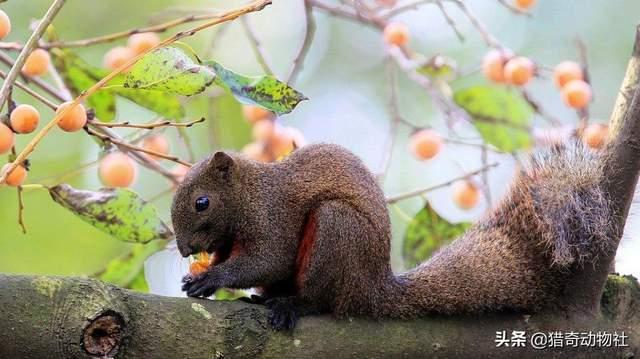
point(539, 109)
point(449, 20)
point(228, 16)
point(309, 33)
point(489, 39)
point(119, 35)
point(583, 113)
point(31, 92)
point(4, 58)
point(418, 192)
point(345, 13)
point(146, 126)
point(485, 175)
point(258, 50)
point(403, 8)
point(28, 47)
point(186, 141)
point(21, 211)
point(122, 144)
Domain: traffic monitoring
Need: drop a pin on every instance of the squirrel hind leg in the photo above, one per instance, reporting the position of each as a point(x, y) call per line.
point(564, 186)
point(348, 261)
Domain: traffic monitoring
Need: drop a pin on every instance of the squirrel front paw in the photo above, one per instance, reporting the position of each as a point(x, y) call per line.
point(282, 315)
point(202, 285)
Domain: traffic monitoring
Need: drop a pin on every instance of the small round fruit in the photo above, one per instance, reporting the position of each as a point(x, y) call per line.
point(74, 119)
point(24, 118)
point(37, 63)
point(7, 138)
point(16, 177)
point(595, 135)
point(425, 144)
point(396, 34)
point(5, 25)
point(197, 267)
point(117, 170)
point(139, 43)
point(466, 195)
point(254, 113)
point(524, 4)
point(519, 71)
point(577, 94)
point(282, 142)
point(493, 64)
point(263, 130)
point(117, 57)
point(567, 71)
point(156, 143)
point(255, 151)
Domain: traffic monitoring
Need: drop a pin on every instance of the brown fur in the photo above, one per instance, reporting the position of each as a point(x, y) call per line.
point(516, 258)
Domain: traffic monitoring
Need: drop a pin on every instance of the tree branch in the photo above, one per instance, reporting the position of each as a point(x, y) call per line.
point(83, 318)
point(28, 47)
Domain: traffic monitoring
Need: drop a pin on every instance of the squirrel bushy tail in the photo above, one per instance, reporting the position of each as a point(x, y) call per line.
point(555, 217)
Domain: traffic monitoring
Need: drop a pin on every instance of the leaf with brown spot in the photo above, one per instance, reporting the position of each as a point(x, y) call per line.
point(118, 212)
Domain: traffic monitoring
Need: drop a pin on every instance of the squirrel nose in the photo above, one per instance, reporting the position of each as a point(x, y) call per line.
point(185, 249)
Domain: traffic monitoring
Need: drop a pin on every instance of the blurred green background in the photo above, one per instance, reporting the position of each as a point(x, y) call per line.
point(344, 77)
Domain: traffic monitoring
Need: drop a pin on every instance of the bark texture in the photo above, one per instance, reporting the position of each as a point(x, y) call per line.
point(65, 317)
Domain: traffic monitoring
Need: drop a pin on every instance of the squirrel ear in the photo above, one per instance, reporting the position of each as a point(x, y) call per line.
point(222, 162)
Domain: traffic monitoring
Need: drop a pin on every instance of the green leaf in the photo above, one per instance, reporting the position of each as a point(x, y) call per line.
point(118, 212)
point(79, 76)
point(426, 234)
point(265, 91)
point(501, 116)
point(170, 69)
point(162, 103)
point(128, 270)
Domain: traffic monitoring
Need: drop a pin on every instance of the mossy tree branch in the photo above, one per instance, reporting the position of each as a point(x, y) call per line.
point(64, 317)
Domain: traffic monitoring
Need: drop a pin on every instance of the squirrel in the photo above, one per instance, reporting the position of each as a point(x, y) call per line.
point(313, 233)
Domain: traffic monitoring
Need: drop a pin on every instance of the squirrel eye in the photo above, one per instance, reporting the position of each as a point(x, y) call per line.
point(202, 203)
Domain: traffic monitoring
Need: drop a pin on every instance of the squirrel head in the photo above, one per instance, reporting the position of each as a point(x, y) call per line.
point(203, 205)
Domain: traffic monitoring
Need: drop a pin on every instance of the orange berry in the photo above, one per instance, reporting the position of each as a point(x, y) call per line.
point(117, 170)
point(466, 195)
point(117, 57)
point(576, 94)
point(567, 71)
point(425, 144)
point(16, 177)
point(37, 63)
point(519, 71)
point(156, 143)
point(139, 43)
point(24, 118)
point(74, 119)
point(263, 130)
point(282, 142)
point(197, 268)
point(5, 25)
point(396, 34)
point(255, 151)
point(595, 135)
point(524, 4)
point(493, 64)
point(255, 113)
point(7, 138)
